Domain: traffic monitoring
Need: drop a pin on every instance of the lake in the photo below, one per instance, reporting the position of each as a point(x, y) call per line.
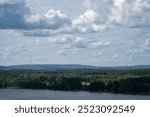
point(30, 94)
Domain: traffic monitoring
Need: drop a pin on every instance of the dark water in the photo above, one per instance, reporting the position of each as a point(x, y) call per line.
point(29, 94)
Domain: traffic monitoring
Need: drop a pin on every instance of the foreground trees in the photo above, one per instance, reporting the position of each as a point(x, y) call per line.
point(133, 81)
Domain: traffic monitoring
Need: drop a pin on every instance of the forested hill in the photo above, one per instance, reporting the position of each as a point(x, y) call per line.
point(130, 79)
point(115, 81)
point(54, 67)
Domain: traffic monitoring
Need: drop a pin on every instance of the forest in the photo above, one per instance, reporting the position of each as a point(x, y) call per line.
point(114, 81)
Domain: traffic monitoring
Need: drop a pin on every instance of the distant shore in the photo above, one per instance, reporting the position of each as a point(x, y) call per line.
point(113, 81)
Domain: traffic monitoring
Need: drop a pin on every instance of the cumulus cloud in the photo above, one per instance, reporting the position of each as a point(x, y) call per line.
point(95, 18)
point(51, 20)
point(128, 13)
point(88, 22)
point(15, 14)
point(89, 16)
point(68, 41)
point(98, 16)
point(71, 41)
point(61, 39)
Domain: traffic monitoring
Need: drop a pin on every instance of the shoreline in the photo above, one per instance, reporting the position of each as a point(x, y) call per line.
point(136, 94)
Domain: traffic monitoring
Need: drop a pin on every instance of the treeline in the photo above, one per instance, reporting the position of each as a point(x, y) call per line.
point(116, 81)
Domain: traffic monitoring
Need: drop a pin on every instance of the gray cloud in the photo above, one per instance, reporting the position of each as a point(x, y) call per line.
point(14, 14)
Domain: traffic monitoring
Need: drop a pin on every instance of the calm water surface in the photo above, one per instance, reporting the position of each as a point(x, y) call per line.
point(29, 94)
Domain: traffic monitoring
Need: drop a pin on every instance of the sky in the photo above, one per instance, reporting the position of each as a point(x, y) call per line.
point(89, 32)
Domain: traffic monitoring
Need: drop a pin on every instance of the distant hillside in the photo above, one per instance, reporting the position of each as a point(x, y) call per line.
point(54, 67)
point(3, 68)
point(141, 67)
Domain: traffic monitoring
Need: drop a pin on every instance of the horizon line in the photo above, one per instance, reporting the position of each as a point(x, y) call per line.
point(79, 65)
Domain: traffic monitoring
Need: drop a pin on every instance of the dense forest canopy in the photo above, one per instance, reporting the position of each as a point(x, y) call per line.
point(116, 81)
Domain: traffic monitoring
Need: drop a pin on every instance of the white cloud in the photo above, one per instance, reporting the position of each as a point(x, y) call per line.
point(72, 41)
point(133, 13)
point(61, 39)
point(115, 57)
point(61, 52)
point(51, 20)
point(126, 13)
point(68, 41)
point(119, 4)
point(88, 22)
point(147, 44)
point(99, 44)
point(89, 16)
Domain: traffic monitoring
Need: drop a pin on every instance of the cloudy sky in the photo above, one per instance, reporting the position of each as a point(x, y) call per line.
point(93, 32)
